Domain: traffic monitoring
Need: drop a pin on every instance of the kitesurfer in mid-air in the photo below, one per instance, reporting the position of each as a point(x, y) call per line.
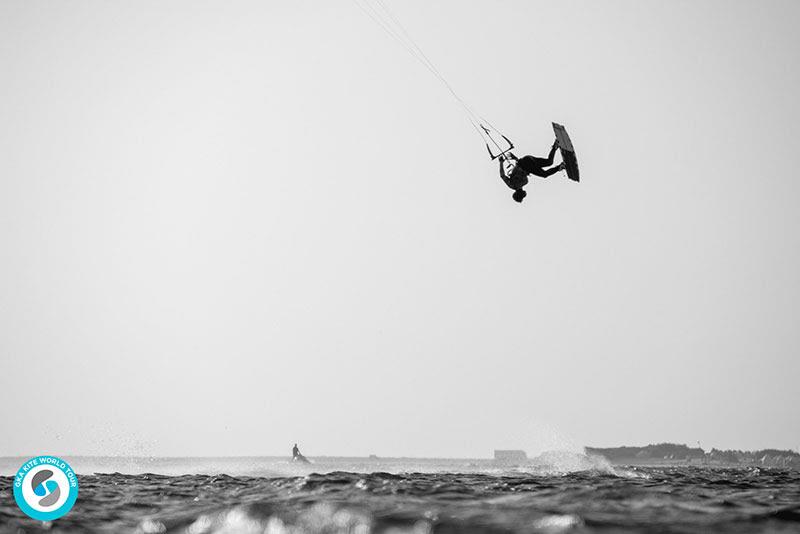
point(514, 171)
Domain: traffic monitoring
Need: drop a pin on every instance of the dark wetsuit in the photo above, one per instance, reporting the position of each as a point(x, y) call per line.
point(530, 165)
point(535, 166)
point(518, 178)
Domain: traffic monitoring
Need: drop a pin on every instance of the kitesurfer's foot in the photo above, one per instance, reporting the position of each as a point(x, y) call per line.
point(562, 166)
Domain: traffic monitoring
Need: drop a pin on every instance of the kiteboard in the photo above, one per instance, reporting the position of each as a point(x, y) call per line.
point(567, 152)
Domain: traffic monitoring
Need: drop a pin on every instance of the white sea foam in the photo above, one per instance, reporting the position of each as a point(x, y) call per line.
point(547, 463)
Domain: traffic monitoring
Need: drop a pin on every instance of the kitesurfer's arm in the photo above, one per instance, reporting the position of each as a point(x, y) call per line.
point(503, 175)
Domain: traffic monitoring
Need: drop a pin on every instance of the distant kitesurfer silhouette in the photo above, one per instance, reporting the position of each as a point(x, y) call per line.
point(297, 456)
point(515, 171)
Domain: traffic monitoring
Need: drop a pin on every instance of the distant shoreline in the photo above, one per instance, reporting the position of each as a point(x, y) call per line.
point(678, 454)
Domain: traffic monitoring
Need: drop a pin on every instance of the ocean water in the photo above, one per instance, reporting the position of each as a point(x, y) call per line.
point(554, 494)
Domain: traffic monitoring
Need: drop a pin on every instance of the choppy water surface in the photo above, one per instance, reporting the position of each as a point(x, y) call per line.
point(599, 499)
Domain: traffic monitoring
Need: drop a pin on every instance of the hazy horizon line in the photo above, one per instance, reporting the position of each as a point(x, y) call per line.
point(383, 457)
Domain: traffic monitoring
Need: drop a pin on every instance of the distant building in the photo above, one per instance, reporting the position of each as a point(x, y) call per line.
point(510, 456)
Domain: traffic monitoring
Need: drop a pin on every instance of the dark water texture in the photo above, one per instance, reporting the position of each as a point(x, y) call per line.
point(638, 500)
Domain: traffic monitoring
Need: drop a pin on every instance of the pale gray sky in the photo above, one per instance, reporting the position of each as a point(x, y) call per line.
point(229, 226)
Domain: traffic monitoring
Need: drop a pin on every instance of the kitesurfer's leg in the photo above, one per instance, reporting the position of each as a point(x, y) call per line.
point(551, 171)
point(544, 173)
point(532, 164)
point(552, 154)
